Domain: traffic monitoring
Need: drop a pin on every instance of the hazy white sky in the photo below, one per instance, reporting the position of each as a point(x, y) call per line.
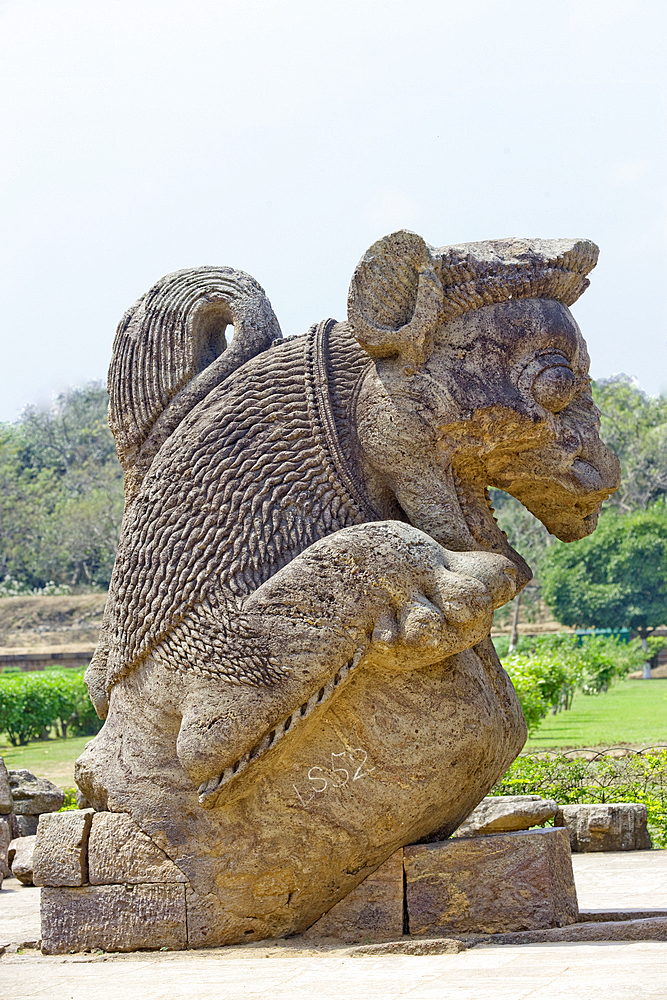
point(285, 137)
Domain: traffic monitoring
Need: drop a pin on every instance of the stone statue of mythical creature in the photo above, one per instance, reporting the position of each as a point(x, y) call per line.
point(295, 664)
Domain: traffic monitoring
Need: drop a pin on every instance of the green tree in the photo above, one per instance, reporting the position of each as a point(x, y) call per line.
point(634, 426)
point(61, 493)
point(614, 578)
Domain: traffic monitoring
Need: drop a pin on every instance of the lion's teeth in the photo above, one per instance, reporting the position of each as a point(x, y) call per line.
point(209, 786)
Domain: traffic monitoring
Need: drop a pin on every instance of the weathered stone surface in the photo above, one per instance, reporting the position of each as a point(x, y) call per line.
point(617, 826)
point(373, 911)
point(6, 801)
point(492, 884)
point(503, 813)
point(210, 924)
point(61, 848)
point(294, 664)
point(20, 854)
point(118, 851)
point(113, 917)
point(5, 840)
point(436, 946)
point(33, 796)
point(647, 929)
point(26, 826)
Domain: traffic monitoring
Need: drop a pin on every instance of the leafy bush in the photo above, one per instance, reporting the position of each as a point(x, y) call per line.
point(32, 703)
point(70, 800)
point(15, 588)
point(61, 494)
point(539, 682)
point(547, 670)
point(638, 777)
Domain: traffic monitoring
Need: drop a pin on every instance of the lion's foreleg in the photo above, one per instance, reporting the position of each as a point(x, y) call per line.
point(383, 592)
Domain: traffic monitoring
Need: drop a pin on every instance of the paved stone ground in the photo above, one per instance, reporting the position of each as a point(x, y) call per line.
point(621, 880)
point(599, 971)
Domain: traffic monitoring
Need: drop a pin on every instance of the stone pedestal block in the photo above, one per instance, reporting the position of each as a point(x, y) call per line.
point(113, 917)
point(501, 882)
point(61, 848)
point(373, 911)
point(616, 826)
point(118, 851)
point(212, 923)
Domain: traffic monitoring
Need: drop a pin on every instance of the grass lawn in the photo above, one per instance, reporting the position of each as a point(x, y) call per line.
point(631, 713)
point(52, 759)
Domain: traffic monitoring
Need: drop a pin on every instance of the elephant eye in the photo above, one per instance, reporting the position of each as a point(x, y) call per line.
point(554, 387)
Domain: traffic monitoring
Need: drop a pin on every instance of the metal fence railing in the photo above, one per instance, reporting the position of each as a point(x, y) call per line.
point(615, 774)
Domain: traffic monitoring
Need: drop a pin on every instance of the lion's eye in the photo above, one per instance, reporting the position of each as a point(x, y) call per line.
point(554, 388)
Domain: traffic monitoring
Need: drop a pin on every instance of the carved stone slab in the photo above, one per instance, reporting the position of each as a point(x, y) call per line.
point(61, 848)
point(502, 882)
point(113, 917)
point(118, 851)
point(373, 911)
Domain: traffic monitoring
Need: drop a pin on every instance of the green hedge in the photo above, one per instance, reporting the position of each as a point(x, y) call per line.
point(31, 704)
point(638, 777)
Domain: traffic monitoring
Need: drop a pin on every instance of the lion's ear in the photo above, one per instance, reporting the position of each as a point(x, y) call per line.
point(395, 298)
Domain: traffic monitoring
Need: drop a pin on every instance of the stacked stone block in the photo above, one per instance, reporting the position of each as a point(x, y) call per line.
point(8, 829)
point(107, 885)
point(23, 799)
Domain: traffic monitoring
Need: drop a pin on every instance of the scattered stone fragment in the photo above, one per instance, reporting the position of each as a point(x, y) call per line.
point(433, 946)
point(503, 813)
point(113, 917)
point(20, 858)
point(373, 911)
point(33, 796)
point(6, 800)
point(646, 929)
point(5, 840)
point(118, 851)
point(61, 848)
point(501, 882)
point(81, 800)
point(614, 826)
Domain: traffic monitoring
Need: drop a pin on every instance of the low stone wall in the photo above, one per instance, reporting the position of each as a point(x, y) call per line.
point(38, 659)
